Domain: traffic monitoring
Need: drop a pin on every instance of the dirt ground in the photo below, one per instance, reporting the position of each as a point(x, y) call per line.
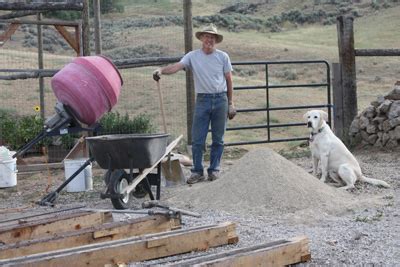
point(367, 233)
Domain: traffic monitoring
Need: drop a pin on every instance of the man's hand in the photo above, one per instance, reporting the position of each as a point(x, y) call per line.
point(157, 75)
point(231, 111)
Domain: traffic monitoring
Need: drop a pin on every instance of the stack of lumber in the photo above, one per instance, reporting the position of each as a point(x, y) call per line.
point(92, 238)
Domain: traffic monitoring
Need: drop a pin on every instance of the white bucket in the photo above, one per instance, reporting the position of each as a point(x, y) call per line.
point(8, 173)
point(83, 181)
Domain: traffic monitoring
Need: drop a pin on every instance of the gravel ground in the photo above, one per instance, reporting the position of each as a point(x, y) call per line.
point(269, 198)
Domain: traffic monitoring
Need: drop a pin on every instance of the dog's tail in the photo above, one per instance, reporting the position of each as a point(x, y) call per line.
point(374, 181)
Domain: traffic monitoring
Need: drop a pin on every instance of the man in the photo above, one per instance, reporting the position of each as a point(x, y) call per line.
point(212, 72)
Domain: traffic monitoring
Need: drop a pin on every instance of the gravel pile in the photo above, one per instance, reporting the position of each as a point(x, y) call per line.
point(264, 182)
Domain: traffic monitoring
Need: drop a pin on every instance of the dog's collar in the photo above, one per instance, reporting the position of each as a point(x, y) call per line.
point(313, 134)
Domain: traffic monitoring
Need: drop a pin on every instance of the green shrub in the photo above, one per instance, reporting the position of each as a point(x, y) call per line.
point(16, 131)
point(115, 123)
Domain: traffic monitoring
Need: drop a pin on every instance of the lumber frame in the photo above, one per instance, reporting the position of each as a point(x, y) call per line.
point(52, 225)
point(134, 249)
point(100, 233)
point(277, 253)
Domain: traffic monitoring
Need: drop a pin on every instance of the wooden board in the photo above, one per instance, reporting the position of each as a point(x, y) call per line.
point(134, 249)
point(278, 253)
point(100, 233)
point(50, 226)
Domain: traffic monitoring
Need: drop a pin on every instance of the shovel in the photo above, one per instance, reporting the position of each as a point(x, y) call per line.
point(171, 168)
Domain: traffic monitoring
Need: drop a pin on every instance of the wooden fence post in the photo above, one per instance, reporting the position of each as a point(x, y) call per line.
point(188, 28)
point(348, 72)
point(85, 29)
point(337, 100)
point(97, 27)
point(40, 66)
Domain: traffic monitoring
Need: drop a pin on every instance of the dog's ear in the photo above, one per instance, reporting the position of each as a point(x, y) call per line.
point(306, 115)
point(324, 115)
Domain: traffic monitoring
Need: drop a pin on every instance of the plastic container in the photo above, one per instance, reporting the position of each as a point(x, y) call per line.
point(83, 181)
point(8, 173)
point(89, 86)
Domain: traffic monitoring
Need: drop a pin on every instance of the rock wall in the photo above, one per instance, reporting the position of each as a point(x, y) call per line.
point(379, 124)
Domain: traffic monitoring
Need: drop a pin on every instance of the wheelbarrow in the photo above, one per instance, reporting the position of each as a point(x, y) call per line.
point(130, 160)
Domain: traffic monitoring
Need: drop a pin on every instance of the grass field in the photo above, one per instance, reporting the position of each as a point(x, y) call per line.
point(375, 75)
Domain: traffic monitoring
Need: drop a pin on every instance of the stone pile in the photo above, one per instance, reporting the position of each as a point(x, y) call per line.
point(379, 124)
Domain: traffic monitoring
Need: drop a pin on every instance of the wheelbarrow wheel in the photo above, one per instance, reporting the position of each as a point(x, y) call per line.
point(119, 180)
point(140, 190)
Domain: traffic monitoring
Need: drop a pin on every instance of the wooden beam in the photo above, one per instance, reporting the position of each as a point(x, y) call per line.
point(18, 14)
point(99, 233)
point(337, 100)
point(85, 29)
point(42, 22)
point(278, 253)
point(8, 33)
point(70, 38)
point(377, 52)
point(53, 225)
point(97, 27)
point(39, 167)
point(66, 5)
point(141, 62)
point(134, 249)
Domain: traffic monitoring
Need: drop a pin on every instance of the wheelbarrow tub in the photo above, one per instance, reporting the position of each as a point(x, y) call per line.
point(122, 151)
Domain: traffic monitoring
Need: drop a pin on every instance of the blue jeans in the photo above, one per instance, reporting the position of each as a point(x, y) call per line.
point(210, 109)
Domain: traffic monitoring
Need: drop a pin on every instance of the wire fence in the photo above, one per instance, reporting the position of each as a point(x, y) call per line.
point(122, 39)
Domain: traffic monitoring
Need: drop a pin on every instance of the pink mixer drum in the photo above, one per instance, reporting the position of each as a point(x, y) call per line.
point(89, 86)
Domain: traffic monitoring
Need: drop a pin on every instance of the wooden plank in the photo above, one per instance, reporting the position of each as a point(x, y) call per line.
point(52, 226)
point(277, 253)
point(39, 167)
point(18, 14)
point(377, 52)
point(7, 34)
point(11, 220)
point(42, 22)
point(134, 249)
point(70, 38)
point(99, 233)
point(56, 6)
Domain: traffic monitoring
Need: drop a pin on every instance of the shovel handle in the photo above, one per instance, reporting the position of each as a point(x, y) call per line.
point(161, 106)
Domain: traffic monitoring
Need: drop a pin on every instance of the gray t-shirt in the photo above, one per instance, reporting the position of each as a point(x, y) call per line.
point(208, 70)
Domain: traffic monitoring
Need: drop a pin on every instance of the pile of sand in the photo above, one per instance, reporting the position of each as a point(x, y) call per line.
point(263, 182)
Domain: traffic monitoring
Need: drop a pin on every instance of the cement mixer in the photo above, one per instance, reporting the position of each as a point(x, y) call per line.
point(85, 89)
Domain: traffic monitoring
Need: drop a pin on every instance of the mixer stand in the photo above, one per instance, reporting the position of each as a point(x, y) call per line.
point(61, 123)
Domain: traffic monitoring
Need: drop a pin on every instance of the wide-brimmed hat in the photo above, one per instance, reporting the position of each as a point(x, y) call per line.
point(212, 29)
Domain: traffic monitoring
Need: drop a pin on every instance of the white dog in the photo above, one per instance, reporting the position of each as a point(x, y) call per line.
point(332, 155)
